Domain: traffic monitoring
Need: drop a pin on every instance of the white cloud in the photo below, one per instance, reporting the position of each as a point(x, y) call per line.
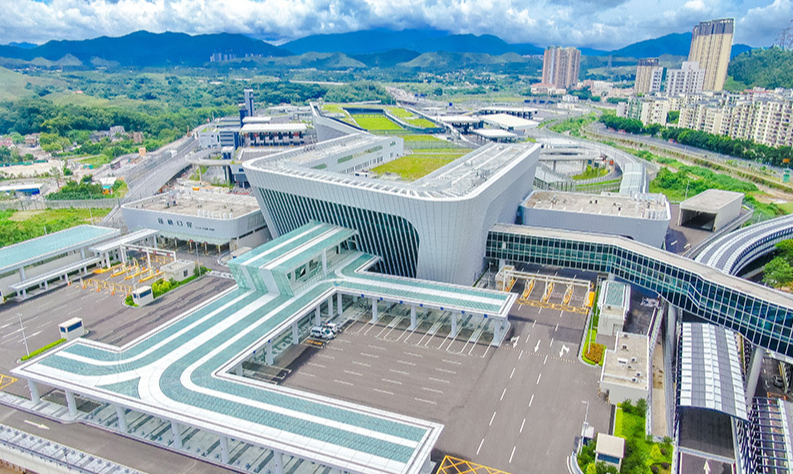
point(595, 23)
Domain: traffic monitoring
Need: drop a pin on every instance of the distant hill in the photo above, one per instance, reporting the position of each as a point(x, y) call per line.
point(675, 44)
point(769, 68)
point(360, 42)
point(144, 49)
point(443, 60)
point(387, 59)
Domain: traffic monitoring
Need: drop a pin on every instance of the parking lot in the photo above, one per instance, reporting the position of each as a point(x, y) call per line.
point(103, 314)
point(518, 408)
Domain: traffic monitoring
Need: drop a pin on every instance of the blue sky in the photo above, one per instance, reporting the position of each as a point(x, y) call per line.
point(605, 24)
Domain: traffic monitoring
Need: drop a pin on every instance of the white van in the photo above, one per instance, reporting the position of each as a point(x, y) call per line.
point(322, 332)
point(333, 327)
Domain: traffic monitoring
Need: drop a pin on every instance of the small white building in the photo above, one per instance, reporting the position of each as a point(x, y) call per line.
point(613, 303)
point(179, 270)
point(71, 329)
point(626, 370)
point(610, 450)
point(143, 296)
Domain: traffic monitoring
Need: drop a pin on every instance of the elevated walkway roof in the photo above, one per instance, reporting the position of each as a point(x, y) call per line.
point(39, 279)
point(124, 240)
point(42, 248)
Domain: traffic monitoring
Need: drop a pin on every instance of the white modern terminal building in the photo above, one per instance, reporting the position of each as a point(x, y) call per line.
point(429, 228)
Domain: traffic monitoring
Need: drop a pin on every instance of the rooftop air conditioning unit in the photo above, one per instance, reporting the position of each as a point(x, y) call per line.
point(624, 347)
point(633, 359)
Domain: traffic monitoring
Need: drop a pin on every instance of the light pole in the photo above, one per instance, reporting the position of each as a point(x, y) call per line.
point(24, 338)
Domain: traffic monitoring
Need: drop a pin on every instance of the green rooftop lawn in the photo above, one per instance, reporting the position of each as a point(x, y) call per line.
point(400, 112)
point(421, 138)
point(376, 122)
point(413, 167)
point(421, 122)
point(18, 226)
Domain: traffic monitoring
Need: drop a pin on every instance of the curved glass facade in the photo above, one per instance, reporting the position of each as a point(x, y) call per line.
point(763, 323)
point(390, 237)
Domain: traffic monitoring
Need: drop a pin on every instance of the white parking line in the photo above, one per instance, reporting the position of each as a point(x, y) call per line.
point(438, 380)
point(522, 424)
point(452, 362)
point(362, 364)
point(342, 382)
point(425, 401)
point(377, 347)
point(491, 419)
point(419, 355)
point(513, 372)
point(512, 455)
point(325, 356)
point(383, 391)
point(532, 400)
point(396, 382)
point(480, 446)
point(353, 373)
point(405, 362)
point(400, 372)
point(538, 379)
point(432, 390)
point(444, 370)
point(334, 348)
point(546, 359)
point(373, 356)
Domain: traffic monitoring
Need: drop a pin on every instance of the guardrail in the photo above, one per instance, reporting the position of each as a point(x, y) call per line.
point(32, 205)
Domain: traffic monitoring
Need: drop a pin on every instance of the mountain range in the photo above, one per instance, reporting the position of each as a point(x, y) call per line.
point(373, 48)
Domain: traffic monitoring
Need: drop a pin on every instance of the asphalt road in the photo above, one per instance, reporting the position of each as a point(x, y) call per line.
point(517, 408)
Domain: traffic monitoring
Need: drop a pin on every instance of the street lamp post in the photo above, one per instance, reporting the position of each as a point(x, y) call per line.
point(24, 337)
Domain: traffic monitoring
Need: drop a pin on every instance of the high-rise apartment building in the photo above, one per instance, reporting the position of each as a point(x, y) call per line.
point(561, 66)
point(648, 77)
point(711, 43)
point(689, 79)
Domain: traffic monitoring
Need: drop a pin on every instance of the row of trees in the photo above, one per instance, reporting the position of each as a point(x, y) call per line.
point(779, 271)
point(725, 145)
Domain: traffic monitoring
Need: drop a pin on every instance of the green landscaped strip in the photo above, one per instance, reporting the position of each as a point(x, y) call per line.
point(421, 122)
point(413, 167)
point(618, 423)
point(43, 349)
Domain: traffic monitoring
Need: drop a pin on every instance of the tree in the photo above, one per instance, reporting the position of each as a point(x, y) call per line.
point(777, 272)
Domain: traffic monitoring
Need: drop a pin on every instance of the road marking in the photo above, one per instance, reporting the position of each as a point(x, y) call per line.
point(37, 425)
point(451, 361)
point(344, 341)
point(564, 350)
point(425, 401)
point(532, 400)
point(432, 390)
point(342, 382)
point(325, 356)
point(333, 348)
point(362, 364)
point(396, 382)
point(444, 370)
point(520, 355)
point(353, 373)
point(377, 347)
point(515, 341)
point(314, 364)
point(307, 374)
point(400, 372)
point(521, 425)
point(383, 391)
point(534, 323)
point(537, 347)
point(406, 363)
point(538, 379)
point(557, 327)
point(502, 394)
point(546, 359)
point(512, 455)
point(480, 446)
point(418, 355)
point(491, 419)
point(373, 356)
point(551, 344)
point(513, 372)
point(438, 380)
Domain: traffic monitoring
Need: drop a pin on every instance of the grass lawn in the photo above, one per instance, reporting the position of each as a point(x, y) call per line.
point(413, 167)
point(591, 173)
point(96, 160)
point(400, 112)
point(376, 122)
point(421, 122)
point(618, 423)
point(18, 226)
point(786, 206)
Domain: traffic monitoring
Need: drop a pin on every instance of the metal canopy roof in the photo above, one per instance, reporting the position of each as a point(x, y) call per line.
point(42, 248)
point(710, 370)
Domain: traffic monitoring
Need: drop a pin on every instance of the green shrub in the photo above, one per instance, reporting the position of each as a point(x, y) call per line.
point(43, 349)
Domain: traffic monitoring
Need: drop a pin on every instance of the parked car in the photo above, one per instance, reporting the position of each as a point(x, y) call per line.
point(321, 332)
point(333, 327)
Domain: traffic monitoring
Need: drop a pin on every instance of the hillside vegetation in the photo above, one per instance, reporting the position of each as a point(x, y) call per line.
point(769, 68)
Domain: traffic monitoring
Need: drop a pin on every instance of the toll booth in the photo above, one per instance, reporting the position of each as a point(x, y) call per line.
point(143, 296)
point(71, 329)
